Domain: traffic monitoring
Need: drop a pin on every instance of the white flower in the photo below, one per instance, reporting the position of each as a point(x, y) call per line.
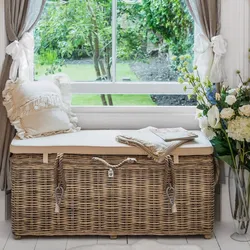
point(232, 91)
point(227, 113)
point(213, 116)
point(217, 97)
point(239, 129)
point(230, 99)
point(209, 133)
point(203, 122)
point(204, 125)
point(245, 110)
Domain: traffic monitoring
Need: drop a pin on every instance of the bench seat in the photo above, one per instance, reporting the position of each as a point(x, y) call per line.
point(130, 201)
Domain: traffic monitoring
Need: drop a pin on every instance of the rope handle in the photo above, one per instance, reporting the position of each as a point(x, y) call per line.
point(59, 193)
point(128, 160)
point(111, 171)
point(59, 181)
point(170, 189)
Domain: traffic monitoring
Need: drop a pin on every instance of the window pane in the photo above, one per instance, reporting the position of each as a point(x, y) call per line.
point(74, 36)
point(132, 100)
point(149, 34)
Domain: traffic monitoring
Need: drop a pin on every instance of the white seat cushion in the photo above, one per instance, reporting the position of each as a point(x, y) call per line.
point(99, 142)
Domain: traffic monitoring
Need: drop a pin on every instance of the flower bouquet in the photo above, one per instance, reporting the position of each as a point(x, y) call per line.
point(224, 117)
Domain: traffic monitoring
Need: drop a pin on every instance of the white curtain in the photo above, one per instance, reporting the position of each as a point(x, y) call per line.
point(22, 50)
point(209, 57)
point(210, 47)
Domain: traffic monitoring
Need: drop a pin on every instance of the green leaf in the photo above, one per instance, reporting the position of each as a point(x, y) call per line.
point(201, 106)
point(220, 146)
point(227, 159)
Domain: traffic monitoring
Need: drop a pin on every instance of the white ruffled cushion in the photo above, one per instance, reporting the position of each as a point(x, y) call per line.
point(40, 108)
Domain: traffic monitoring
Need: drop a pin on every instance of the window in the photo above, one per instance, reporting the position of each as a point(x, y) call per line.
point(117, 52)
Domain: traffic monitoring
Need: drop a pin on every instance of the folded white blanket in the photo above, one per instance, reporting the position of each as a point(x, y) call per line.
point(151, 143)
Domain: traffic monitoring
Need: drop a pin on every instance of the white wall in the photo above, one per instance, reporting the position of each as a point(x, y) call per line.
point(3, 39)
point(235, 28)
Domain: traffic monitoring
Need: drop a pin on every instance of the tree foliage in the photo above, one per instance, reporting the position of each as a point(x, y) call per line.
point(67, 27)
point(170, 20)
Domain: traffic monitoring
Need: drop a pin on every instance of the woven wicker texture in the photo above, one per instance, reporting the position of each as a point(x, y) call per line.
point(133, 202)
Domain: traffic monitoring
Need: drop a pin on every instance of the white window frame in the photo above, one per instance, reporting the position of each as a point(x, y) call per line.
point(116, 87)
point(135, 117)
point(128, 88)
point(235, 31)
point(129, 117)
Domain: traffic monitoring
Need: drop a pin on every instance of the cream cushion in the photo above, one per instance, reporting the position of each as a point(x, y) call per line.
point(39, 108)
point(99, 142)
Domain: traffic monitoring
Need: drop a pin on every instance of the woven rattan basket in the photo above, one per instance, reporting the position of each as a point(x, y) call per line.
point(132, 202)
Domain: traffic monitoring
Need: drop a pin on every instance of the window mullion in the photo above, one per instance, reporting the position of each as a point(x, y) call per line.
point(114, 39)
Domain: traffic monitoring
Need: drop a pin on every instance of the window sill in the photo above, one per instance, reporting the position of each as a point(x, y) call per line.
point(125, 117)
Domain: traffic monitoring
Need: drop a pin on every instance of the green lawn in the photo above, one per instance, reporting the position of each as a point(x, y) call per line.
point(118, 100)
point(86, 72)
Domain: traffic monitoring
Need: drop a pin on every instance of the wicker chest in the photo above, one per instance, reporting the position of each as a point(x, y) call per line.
point(131, 201)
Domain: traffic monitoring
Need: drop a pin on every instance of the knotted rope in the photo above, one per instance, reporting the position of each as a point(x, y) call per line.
point(60, 182)
point(170, 190)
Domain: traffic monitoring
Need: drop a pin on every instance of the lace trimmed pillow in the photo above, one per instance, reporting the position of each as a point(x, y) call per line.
point(40, 108)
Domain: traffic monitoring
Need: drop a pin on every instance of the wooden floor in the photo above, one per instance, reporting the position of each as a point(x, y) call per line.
point(221, 239)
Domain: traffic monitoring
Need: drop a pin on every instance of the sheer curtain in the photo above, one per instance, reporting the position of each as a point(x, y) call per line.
point(20, 18)
point(210, 47)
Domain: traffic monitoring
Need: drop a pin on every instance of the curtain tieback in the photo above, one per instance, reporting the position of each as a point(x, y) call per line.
point(202, 44)
point(209, 57)
point(219, 45)
point(22, 53)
